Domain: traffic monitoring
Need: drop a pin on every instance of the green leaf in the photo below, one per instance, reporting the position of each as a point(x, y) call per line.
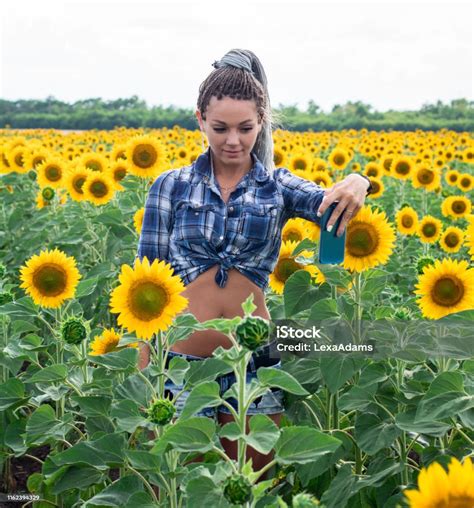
point(357, 398)
point(303, 444)
point(323, 309)
point(43, 425)
point(263, 433)
point(50, 374)
point(191, 435)
point(205, 370)
point(299, 294)
point(76, 477)
point(125, 359)
point(406, 421)
point(248, 306)
point(86, 287)
point(446, 382)
point(341, 488)
point(143, 460)
point(116, 494)
point(206, 394)
point(128, 416)
point(372, 433)
point(444, 405)
point(338, 369)
point(271, 377)
point(12, 394)
point(177, 369)
point(92, 406)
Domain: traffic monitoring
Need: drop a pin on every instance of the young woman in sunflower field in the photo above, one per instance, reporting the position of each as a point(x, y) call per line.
point(218, 221)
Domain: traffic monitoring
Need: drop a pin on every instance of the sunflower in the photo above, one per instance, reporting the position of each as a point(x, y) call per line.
point(445, 287)
point(426, 177)
point(287, 265)
point(320, 178)
point(146, 156)
point(441, 489)
point(369, 240)
point(429, 229)
point(452, 176)
point(94, 162)
point(452, 239)
point(373, 170)
point(18, 159)
point(107, 342)
point(148, 298)
point(74, 182)
point(50, 278)
point(470, 235)
point(300, 162)
point(378, 188)
point(138, 220)
point(118, 170)
point(294, 230)
point(319, 164)
point(51, 173)
point(407, 221)
point(456, 206)
point(98, 188)
point(465, 182)
point(402, 167)
point(339, 158)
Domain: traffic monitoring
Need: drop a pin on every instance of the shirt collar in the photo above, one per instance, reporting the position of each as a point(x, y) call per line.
point(203, 165)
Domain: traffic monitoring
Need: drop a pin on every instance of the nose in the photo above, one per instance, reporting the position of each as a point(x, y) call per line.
point(233, 138)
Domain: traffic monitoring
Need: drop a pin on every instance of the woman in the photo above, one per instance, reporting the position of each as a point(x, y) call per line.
point(218, 221)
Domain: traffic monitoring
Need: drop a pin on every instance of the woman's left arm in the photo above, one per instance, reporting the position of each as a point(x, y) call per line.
point(350, 194)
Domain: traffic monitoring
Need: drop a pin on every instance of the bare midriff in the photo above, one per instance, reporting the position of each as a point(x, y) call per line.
point(206, 300)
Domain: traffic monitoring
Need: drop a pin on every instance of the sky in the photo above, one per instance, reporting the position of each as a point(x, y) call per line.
point(392, 55)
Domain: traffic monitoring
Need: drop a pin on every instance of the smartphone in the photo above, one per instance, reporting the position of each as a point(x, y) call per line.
point(331, 247)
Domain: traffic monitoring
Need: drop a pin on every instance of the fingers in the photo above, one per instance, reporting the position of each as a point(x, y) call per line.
point(335, 215)
point(327, 200)
point(347, 216)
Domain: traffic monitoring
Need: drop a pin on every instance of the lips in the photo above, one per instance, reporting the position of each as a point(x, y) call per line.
point(228, 151)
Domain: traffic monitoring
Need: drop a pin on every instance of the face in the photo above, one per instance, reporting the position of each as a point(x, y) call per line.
point(232, 128)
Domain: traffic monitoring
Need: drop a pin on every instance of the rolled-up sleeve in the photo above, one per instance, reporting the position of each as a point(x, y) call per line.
point(302, 197)
point(156, 226)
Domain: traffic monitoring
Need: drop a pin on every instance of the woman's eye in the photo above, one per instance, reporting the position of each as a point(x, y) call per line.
point(221, 129)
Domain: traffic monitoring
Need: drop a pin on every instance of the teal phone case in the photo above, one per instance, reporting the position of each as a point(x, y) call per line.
point(331, 247)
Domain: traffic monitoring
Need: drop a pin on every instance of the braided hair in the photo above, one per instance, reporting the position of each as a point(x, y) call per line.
point(239, 75)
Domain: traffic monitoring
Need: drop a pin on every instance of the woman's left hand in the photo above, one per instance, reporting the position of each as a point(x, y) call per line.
point(350, 193)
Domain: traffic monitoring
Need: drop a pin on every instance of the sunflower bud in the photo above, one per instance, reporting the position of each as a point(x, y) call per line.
point(161, 411)
point(5, 297)
point(32, 175)
point(445, 193)
point(303, 500)
point(252, 332)
point(404, 205)
point(403, 313)
point(237, 489)
point(422, 262)
point(48, 193)
point(73, 330)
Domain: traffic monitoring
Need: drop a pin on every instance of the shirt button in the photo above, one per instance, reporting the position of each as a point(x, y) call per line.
point(221, 238)
point(231, 209)
point(196, 213)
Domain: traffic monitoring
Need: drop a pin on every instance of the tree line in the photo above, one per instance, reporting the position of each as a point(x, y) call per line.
point(133, 112)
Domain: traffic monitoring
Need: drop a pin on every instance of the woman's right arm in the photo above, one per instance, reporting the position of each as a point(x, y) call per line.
point(157, 219)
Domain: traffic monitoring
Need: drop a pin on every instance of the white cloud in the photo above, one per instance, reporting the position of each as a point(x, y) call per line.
point(391, 55)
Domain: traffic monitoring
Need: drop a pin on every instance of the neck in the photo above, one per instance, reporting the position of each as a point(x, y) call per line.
point(230, 172)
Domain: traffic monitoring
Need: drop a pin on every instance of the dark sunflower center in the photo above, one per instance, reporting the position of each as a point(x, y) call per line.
point(19, 159)
point(299, 164)
point(94, 165)
point(459, 207)
point(375, 186)
point(425, 176)
point(98, 189)
point(407, 221)
point(453, 178)
point(465, 182)
point(447, 291)
point(339, 160)
point(361, 240)
point(111, 346)
point(144, 156)
point(293, 235)
point(37, 161)
point(402, 168)
point(120, 173)
point(78, 183)
point(387, 163)
point(53, 173)
point(50, 280)
point(277, 158)
point(372, 172)
point(147, 300)
point(452, 239)
point(182, 154)
point(429, 229)
point(285, 268)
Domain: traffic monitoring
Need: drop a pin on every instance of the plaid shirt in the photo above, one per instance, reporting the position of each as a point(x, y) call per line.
point(187, 223)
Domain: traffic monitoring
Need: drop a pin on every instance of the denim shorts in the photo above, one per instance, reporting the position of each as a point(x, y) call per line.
point(269, 403)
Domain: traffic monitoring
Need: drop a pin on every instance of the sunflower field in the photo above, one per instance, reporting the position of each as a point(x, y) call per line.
point(82, 426)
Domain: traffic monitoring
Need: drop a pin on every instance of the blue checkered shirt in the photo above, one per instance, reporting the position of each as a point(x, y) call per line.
point(187, 224)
